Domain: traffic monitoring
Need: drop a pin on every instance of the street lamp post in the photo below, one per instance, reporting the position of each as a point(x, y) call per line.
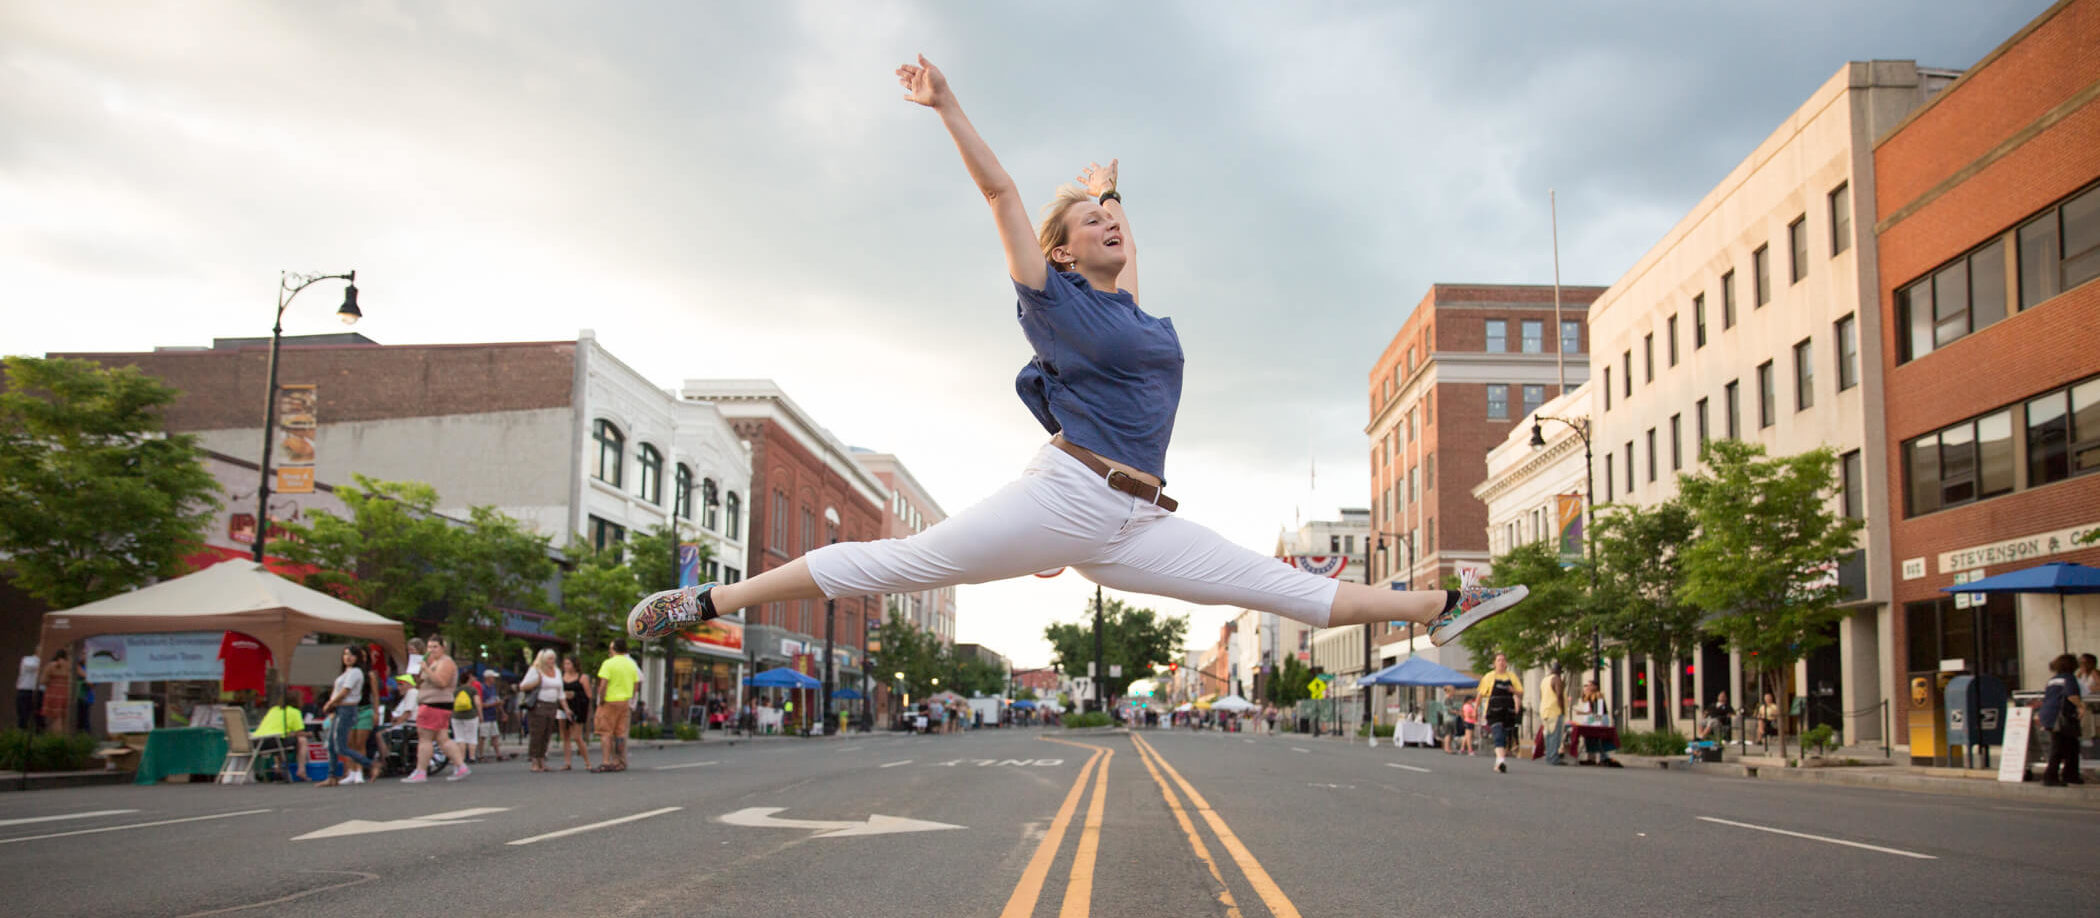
point(831, 616)
point(288, 286)
point(1581, 427)
point(1377, 536)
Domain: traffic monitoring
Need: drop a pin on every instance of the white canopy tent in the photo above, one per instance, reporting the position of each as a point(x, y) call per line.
point(1233, 703)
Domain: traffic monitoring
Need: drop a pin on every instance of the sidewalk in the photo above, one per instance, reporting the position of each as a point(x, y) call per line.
point(45, 780)
point(1892, 773)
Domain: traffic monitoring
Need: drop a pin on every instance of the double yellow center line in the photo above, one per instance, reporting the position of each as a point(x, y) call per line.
point(1079, 885)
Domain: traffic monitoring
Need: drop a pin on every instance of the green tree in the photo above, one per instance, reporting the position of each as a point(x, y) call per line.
point(1552, 625)
point(1136, 638)
point(1290, 685)
point(1640, 578)
point(94, 498)
point(602, 586)
point(1765, 559)
point(919, 655)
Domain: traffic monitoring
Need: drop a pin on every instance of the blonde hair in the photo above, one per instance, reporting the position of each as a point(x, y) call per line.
point(546, 661)
point(1051, 232)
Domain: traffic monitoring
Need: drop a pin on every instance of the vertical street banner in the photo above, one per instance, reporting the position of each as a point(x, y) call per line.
point(1568, 509)
point(296, 423)
point(688, 564)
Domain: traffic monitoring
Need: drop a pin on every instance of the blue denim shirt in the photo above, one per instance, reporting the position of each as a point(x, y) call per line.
point(1105, 374)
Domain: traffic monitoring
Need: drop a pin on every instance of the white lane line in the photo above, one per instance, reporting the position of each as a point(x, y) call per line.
point(683, 765)
point(1247, 741)
point(87, 815)
point(895, 764)
point(135, 825)
point(1300, 749)
point(1408, 767)
point(1834, 841)
point(847, 748)
point(596, 825)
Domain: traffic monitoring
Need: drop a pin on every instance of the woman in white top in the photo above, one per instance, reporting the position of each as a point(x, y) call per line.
point(542, 684)
point(343, 702)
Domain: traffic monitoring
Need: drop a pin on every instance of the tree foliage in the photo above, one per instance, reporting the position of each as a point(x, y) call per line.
point(1552, 625)
point(1291, 683)
point(919, 655)
point(1640, 578)
point(1138, 639)
point(94, 498)
point(601, 586)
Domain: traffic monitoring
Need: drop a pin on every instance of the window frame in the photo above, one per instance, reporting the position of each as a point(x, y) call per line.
point(1567, 325)
point(710, 500)
point(1804, 374)
point(1524, 338)
point(1700, 420)
point(682, 492)
point(1651, 455)
point(1920, 321)
point(1698, 321)
point(1677, 443)
point(1840, 203)
point(1974, 477)
point(608, 436)
point(1489, 338)
point(1728, 304)
point(1846, 331)
point(1732, 408)
point(1492, 390)
point(1797, 244)
point(1761, 276)
point(1767, 395)
point(1671, 345)
point(649, 480)
point(1648, 358)
point(732, 516)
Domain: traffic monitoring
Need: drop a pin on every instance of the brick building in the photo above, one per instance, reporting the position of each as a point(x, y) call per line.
point(1988, 210)
point(911, 509)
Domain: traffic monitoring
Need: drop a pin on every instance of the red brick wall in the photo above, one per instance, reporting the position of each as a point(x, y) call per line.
point(224, 389)
point(779, 462)
point(2027, 353)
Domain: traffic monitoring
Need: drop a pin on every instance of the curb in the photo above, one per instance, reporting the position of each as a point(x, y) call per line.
point(12, 781)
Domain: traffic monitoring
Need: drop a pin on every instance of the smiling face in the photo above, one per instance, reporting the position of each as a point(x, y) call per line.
point(1093, 240)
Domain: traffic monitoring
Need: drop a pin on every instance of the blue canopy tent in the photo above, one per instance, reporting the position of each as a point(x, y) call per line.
point(2060, 577)
point(783, 677)
point(848, 693)
point(1023, 704)
point(1418, 671)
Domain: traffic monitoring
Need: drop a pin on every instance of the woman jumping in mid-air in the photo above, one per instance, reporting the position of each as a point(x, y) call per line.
point(1105, 381)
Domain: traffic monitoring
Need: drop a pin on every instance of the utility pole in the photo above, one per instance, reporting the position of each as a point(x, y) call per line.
point(1100, 672)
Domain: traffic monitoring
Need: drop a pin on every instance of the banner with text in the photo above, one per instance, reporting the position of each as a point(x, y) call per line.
point(154, 657)
point(296, 424)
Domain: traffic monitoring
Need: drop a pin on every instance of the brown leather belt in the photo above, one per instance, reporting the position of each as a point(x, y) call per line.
point(1119, 479)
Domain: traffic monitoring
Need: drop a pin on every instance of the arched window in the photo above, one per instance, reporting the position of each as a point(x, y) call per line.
point(652, 481)
point(710, 503)
point(612, 454)
point(735, 510)
point(682, 493)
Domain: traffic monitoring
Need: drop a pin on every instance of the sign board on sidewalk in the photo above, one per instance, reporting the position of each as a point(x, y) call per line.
point(2012, 758)
point(130, 716)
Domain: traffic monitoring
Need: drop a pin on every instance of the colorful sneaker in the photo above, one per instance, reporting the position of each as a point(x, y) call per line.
point(415, 777)
point(663, 613)
point(460, 772)
point(1475, 605)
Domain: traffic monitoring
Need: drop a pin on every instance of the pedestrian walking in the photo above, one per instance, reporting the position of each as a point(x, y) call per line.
point(2061, 710)
point(575, 712)
point(1105, 382)
point(494, 705)
point(1441, 717)
point(542, 695)
point(436, 690)
point(1553, 709)
point(1503, 691)
point(466, 714)
point(58, 688)
point(618, 679)
point(26, 686)
point(1468, 719)
point(344, 701)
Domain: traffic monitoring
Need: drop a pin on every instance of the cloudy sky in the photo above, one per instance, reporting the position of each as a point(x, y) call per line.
point(737, 190)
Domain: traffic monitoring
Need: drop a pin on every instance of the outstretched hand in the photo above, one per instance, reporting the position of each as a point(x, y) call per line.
point(1098, 181)
point(926, 84)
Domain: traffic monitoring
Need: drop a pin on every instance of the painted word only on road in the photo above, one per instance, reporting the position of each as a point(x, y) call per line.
point(995, 763)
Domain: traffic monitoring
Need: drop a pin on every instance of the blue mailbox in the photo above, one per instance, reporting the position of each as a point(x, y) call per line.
point(1975, 711)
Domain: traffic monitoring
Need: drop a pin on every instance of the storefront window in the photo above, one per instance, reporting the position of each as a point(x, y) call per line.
point(1985, 638)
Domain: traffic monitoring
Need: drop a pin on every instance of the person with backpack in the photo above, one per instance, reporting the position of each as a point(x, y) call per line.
point(1504, 693)
point(466, 715)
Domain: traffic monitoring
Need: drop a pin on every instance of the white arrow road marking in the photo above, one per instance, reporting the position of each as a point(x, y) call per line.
point(895, 764)
point(135, 825)
point(1408, 767)
point(366, 826)
point(88, 815)
point(596, 825)
point(682, 765)
point(1834, 841)
point(877, 824)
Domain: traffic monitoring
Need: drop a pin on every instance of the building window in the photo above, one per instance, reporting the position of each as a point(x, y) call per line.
point(1672, 344)
point(710, 503)
point(1534, 336)
point(1961, 298)
point(1570, 337)
point(1804, 375)
point(1410, 358)
point(2063, 433)
point(1961, 464)
point(1849, 485)
point(1629, 466)
point(731, 575)
point(1651, 454)
point(1797, 235)
point(2060, 249)
point(1732, 408)
point(1497, 336)
point(1414, 484)
point(1648, 358)
point(778, 531)
point(1626, 371)
point(1608, 479)
point(1676, 442)
point(682, 492)
point(1431, 549)
point(809, 529)
point(607, 535)
point(1840, 220)
point(651, 483)
point(1848, 352)
point(1534, 396)
point(1498, 402)
point(1698, 321)
point(1607, 388)
point(1699, 422)
point(1767, 396)
point(1761, 275)
point(612, 454)
point(733, 519)
point(1728, 301)
point(1429, 472)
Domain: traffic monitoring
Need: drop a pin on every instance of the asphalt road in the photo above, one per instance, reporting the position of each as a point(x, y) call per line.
point(1042, 823)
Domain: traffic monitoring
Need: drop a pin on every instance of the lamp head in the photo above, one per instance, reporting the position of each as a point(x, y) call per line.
point(349, 313)
point(1538, 437)
point(831, 515)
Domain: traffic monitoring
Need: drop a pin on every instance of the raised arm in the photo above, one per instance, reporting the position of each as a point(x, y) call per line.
point(1024, 257)
point(1099, 181)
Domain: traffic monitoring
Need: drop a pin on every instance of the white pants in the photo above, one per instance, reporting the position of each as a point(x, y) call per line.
point(1061, 514)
